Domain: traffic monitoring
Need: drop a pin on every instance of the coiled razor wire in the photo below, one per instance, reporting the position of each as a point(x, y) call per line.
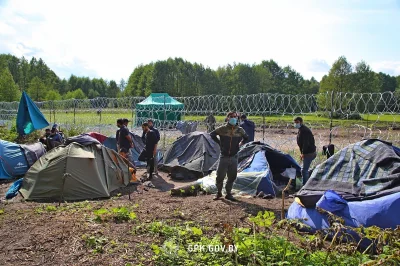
point(100, 114)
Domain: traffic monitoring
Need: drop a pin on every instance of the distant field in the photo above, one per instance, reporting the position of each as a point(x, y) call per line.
point(110, 117)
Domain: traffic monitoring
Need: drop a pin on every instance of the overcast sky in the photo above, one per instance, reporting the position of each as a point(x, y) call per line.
point(109, 39)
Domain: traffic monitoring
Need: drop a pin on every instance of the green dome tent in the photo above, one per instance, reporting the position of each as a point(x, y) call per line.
point(156, 106)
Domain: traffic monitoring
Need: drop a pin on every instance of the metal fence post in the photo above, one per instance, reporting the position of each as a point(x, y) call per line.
point(100, 120)
point(330, 125)
point(263, 127)
point(133, 113)
point(165, 119)
point(74, 111)
point(54, 112)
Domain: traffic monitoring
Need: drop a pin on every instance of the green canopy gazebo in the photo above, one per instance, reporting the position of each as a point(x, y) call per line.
point(159, 107)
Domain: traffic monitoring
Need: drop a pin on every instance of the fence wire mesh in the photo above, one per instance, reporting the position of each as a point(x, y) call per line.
point(354, 116)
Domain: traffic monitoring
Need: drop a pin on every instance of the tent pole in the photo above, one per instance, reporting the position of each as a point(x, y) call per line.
point(283, 199)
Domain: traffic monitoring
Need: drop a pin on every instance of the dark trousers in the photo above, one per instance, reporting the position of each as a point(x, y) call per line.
point(227, 167)
point(149, 158)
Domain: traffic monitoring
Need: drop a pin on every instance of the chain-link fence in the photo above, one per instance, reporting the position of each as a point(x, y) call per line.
point(337, 118)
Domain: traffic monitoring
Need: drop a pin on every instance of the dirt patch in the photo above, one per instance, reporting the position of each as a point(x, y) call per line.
point(49, 234)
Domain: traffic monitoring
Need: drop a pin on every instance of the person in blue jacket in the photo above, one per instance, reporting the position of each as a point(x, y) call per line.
point(248, 126)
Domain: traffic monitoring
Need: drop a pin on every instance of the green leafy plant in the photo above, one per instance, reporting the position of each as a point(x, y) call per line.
point(95, 243)
point(121, 214)
point(51, 208)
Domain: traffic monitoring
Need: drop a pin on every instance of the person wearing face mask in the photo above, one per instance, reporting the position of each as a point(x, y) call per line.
point(306, 143)
point(231, 137)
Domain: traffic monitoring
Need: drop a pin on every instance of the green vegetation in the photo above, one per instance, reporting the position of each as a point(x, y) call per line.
point(95, 243)
point(182, 78)
point(118, 215)
point(267, 242)
point(8, 135)
point(262, 239)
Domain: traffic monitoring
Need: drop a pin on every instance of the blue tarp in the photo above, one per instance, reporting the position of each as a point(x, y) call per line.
point(15, 159)
point(381, 212)
point(29, 117)
point(14, 188)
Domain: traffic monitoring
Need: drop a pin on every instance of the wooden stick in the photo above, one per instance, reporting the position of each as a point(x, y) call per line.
point(283, 198)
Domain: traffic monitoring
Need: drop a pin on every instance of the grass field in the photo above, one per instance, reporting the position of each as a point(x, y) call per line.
point(110, 117)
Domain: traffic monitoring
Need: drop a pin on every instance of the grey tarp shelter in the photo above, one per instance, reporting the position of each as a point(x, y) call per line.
point(191, 156)
point(160, 107)
point(76, 172)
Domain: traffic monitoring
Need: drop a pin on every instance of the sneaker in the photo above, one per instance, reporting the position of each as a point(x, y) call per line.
point(218, 196)
point(230, 197)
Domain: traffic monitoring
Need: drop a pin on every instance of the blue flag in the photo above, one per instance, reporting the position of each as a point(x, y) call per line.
point(29, 117)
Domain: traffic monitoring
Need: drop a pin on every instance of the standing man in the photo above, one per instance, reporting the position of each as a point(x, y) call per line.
point(231, 137)
point(124, 141)
point(125, 121)
point(249, 127)
point(150, 148)
point(210, 122)
point(306, 143)
point(157, 133)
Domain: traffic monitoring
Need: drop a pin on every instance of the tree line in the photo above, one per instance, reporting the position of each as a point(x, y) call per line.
point(178, 78)
point(42, 84)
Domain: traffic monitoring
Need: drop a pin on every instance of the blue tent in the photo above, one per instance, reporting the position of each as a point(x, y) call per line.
point(381, 212)
point(29, 117)
point(259, 170)
point(360, 183)
point(15, 160)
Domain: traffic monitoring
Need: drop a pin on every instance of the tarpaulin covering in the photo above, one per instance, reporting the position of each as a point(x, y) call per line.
point(196, 152)
point(364, 170)
point(381, 212)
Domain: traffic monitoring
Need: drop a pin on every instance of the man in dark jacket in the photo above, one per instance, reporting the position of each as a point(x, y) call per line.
point(150, 148)
point(157, 133)
point(231, 137)
point(306, 143)
point(124, 139)
point(210, 122)
point(249, 127)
